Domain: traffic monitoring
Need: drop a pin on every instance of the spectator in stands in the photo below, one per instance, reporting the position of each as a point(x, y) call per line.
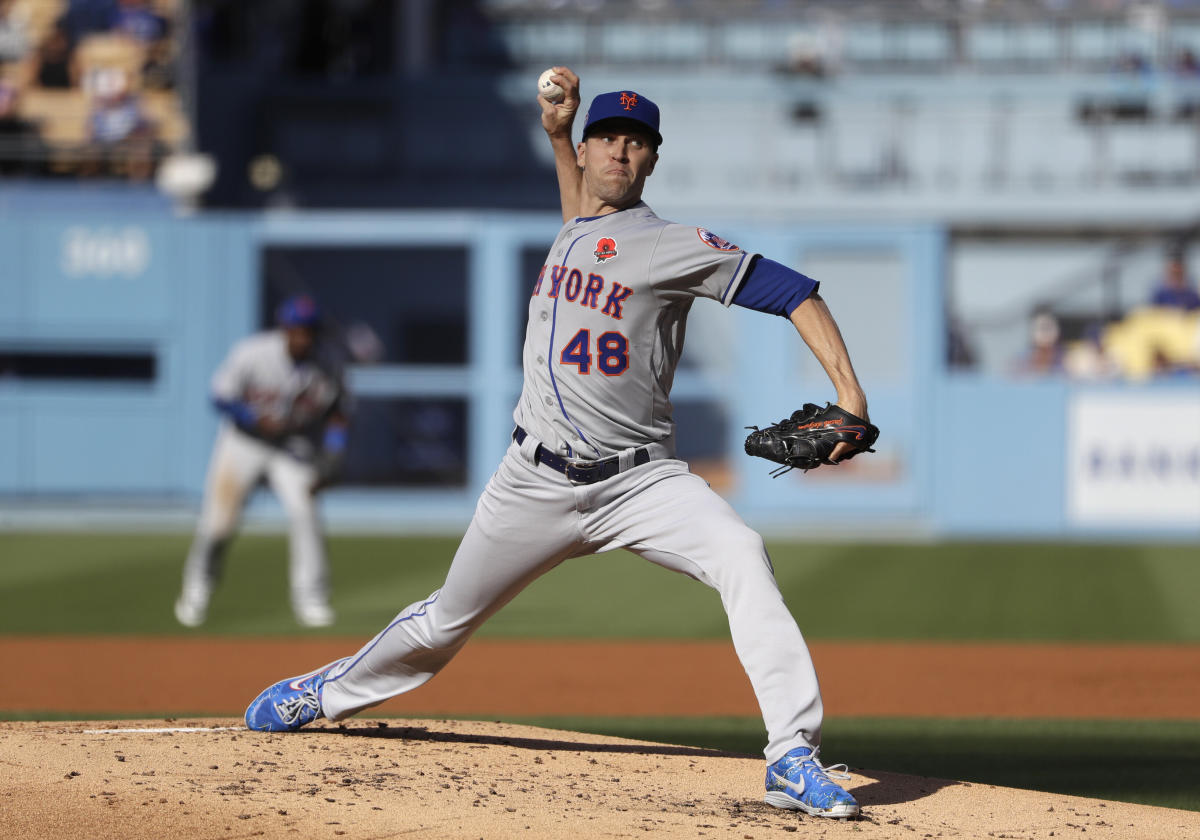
point(959, 352)
point(1088, 358)
point(55, 62)
point(1176, 290)
point(85, 17)
point(805, 56)
point(134, 18)
point(1166, 368)
point(14, 31)
point(1186, 63)
point(1045, 355)
point(159, 69)
point(22, 151)
point(1134, 63)
point(138, 20)
point(120, 135)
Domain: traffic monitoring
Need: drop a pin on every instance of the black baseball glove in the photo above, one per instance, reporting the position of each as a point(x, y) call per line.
point(807, 438)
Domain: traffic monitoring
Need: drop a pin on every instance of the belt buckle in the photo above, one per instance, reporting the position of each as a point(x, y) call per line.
point(581, 467)
point(588, 469)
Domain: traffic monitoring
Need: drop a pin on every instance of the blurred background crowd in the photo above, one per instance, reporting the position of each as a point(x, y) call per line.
point(1016, 122)
point(87, 87)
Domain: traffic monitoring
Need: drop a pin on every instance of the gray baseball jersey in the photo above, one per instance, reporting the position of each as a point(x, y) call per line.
point(259, 372)
point(606, 328)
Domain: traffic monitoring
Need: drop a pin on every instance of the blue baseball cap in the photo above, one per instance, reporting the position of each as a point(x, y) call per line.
point(298, 311)
point(623, 105)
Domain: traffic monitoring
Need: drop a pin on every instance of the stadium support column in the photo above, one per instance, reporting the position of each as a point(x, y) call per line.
point(414, 37)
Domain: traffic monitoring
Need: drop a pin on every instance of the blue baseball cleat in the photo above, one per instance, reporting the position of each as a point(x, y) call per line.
point(799, 782)
point(290, 703)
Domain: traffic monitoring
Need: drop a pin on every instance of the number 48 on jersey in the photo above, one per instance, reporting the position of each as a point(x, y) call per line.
point(612, 352)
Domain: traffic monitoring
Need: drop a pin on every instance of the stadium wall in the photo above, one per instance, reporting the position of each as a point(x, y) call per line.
point(130, 311)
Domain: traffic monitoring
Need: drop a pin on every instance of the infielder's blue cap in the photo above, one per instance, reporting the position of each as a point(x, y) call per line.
point(298, 311)
point(623, 105)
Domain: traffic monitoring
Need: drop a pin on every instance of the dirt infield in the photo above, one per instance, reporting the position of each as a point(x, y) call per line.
point(444, 779)
point(214, 676)
point(441, 779)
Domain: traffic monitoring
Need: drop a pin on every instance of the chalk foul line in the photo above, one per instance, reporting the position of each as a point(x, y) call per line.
point(159, 729)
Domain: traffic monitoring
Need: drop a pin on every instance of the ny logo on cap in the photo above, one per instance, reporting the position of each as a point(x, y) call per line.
point(629, 100)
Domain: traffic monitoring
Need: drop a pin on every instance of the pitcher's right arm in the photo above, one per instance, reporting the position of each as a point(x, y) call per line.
point(557, 119)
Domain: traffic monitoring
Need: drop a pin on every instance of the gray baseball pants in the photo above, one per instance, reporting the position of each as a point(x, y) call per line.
point(530, 518)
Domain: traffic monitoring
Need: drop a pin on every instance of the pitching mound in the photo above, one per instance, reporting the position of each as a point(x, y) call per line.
point(454, 779)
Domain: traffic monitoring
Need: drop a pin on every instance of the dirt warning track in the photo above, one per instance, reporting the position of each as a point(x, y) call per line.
point(215, 676)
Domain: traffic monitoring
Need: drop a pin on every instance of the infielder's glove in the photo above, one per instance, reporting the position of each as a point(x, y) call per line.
point(807, 438)
point(327, 466)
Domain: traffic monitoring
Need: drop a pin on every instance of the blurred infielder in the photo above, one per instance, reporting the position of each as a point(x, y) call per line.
point(285, 408)
point(591, 465)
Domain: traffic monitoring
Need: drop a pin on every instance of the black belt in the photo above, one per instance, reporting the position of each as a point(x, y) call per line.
point(585, 472)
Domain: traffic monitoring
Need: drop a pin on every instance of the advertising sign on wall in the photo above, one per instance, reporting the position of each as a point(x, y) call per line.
point(1133, 460)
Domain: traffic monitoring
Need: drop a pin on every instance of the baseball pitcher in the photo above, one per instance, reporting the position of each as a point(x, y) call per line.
point(592, 467)
point(284, 410)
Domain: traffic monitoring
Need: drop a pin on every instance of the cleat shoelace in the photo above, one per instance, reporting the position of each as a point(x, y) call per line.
point(290, 710)
point(833, 771)
point(818, 774)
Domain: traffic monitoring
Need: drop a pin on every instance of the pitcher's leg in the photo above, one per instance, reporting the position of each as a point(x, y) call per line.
point(520, 531)
point(678, 522)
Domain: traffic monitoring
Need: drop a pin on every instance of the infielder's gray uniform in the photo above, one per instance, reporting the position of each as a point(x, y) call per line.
point(605, 331)
point(260, 375)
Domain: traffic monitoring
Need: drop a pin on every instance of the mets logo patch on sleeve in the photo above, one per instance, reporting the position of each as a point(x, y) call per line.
point(713, 241)
point(606, 249)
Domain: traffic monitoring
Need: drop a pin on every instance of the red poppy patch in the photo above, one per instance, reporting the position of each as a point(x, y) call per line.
point(606, 249)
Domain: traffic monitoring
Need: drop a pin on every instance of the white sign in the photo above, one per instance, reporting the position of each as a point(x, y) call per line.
point(105, 251)
point(1134, 459)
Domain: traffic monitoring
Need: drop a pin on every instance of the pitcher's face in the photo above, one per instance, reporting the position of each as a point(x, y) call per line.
point(616, 162)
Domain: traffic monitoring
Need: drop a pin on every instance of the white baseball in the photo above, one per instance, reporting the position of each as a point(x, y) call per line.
point(548, 89)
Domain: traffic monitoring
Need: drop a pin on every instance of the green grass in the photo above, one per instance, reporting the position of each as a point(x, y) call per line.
point(122, 584)
point(1150, 762)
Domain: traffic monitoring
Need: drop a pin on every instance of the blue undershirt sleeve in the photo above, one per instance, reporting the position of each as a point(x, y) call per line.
point(335, 439)
point(238, 411)
point(773, 288)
